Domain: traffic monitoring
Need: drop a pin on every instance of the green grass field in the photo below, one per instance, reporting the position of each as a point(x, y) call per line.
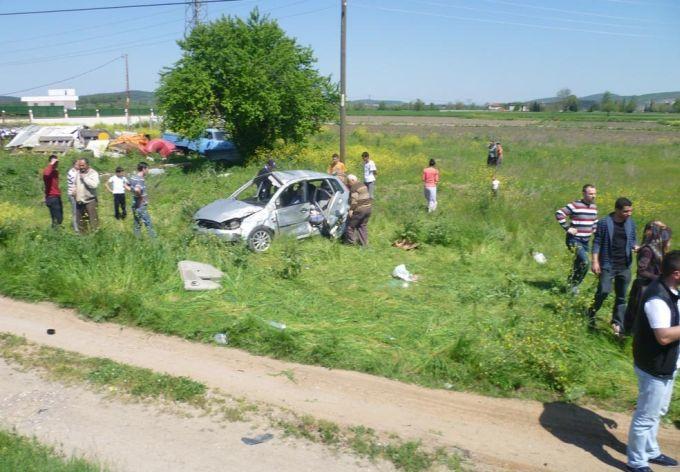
point(27, 455)
point(664, 118)
point(484, 316)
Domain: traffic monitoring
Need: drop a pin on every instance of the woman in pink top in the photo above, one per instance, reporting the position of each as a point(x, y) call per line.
point(431, 179)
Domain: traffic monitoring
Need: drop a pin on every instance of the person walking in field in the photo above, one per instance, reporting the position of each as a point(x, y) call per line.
point(140, 200)
point(360, 206)
point(656, 241)
point(499, 153)
point(613, 248)
point(116, 185)
point(430, 180)
point(492, 154)
point(87, 181)
point(52, 192)
point(71, 176)
point(578, 219)
point(370, 172)
point(656, 355)
point(338, 168)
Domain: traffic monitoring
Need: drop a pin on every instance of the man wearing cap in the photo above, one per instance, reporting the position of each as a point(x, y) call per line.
point(263, 181)
point(52, 192)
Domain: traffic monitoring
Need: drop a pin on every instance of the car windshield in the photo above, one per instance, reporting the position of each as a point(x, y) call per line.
point(218, 135)
point(259, 192)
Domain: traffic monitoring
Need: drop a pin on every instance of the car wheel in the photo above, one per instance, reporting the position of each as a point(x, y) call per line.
point(260, 239)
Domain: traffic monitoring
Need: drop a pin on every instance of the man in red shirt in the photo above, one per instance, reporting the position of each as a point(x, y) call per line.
point(52, 192)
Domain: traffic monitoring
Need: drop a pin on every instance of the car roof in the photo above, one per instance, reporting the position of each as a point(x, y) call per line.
point(286, 176)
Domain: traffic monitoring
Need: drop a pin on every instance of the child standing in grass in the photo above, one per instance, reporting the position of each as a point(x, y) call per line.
point(116, 185)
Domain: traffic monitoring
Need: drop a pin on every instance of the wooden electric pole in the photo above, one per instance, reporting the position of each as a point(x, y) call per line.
point(343, 76)
point(127, 93)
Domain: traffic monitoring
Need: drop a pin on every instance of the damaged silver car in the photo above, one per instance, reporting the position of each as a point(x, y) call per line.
point(298, 203)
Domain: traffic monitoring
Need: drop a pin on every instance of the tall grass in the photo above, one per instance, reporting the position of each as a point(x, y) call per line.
point(20, 453)
point(483, 317)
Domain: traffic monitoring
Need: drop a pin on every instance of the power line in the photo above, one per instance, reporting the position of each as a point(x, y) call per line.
point(66, 79)
point(536, 17)
point(98, 27)
point(511, 23)
point(88, 38)
point(88, 52)
point(110, 7)
point(571, 12)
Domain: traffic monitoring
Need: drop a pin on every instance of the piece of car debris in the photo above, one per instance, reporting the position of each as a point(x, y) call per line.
point(260, 438)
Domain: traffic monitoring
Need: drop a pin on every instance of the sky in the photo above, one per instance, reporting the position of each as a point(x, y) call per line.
point(434, 50)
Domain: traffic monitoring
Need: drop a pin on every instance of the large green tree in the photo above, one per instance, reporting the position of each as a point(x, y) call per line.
point(249, 77)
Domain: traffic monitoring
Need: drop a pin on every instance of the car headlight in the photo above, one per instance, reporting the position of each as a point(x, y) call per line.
point(232, 224)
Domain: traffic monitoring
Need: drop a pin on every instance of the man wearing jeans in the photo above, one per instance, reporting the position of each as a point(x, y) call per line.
point(370, 171)
point(52, 192)
point(583, 216)
point(657, 358)
point(613, 248)
point(137, 185)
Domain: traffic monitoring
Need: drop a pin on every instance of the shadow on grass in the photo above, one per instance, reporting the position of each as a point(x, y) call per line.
point(583, 428)
point(545, 284)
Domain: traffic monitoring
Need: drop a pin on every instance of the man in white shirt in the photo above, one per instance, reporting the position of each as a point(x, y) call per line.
point(71, 176)
point(116, 185)
point(370, 171)
point(656, 351)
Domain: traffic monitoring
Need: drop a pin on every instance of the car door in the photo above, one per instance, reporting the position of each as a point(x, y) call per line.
point(338, 204)
point(292, 211)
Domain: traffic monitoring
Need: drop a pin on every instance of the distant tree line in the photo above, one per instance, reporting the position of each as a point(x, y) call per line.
point(565, 101)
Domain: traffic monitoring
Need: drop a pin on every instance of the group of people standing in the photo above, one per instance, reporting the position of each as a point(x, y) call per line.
point(362, 194)
point(82, 183)
point(652, 312)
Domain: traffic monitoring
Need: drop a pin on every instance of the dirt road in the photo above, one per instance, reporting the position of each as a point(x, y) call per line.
point(500, 434)
point(125, 436)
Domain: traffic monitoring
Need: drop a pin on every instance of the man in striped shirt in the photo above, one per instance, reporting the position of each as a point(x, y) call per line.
point(579, 219)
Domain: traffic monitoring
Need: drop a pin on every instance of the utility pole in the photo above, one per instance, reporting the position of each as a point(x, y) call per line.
point(127, 93)
point(196, 13)
point(343, 74)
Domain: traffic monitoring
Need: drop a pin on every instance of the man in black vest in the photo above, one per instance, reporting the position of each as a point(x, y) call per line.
point(657, 357)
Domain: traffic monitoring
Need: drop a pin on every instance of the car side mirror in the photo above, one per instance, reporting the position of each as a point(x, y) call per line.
point(278, 203)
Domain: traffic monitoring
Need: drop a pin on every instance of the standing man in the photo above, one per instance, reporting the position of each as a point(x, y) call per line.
point(52, 192)
point(360, 205)
point(656, 355)
point(116, 185)
point(499, 153)
point(492, 154)
point(613, 248)
point(71, 176)
point(140, 211)
point(583, 216)
point(87, 181)
point(370, 171)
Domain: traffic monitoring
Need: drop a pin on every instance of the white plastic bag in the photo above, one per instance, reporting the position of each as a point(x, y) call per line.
point(400, 272)
point(539, 257)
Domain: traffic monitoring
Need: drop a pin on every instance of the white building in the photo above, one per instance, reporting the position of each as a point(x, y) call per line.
point(66, 98)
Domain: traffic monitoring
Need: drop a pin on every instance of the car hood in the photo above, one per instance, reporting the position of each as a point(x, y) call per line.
point(226, 209)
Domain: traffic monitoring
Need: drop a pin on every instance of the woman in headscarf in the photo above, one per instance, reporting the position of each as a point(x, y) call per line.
point(656, 242)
